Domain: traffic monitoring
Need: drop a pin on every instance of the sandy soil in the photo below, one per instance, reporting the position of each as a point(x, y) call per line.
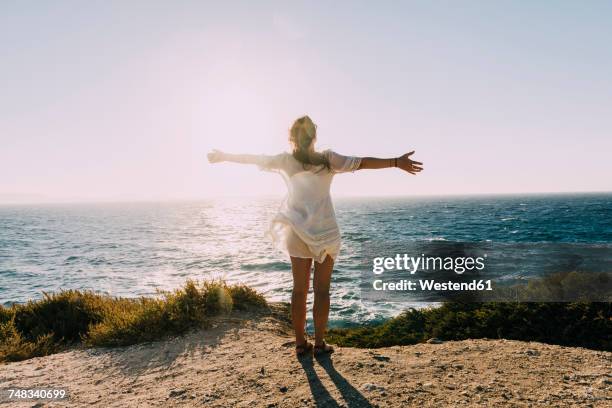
point(249, 361)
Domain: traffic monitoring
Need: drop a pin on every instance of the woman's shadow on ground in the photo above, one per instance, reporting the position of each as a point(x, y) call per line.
point(322, 398)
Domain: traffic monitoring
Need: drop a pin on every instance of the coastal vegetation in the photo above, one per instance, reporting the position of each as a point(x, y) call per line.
point(83, 318)
point(568, 324)
point(73, 317)
point(554, 309)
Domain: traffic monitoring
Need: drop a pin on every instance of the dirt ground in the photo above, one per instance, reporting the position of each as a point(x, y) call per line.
point(249, 361)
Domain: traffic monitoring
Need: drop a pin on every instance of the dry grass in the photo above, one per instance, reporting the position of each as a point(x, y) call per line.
point(71, 317)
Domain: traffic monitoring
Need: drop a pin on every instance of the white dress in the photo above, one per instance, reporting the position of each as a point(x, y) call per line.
point(305, 226)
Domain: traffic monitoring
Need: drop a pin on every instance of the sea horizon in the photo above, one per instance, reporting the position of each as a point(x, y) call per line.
point(281, 196)
point(133, 249)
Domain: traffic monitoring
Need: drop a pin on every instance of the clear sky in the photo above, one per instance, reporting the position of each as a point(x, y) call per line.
point(103, 100)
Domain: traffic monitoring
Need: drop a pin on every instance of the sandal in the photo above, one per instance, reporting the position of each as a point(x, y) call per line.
point(303, 349)
point(323, 348)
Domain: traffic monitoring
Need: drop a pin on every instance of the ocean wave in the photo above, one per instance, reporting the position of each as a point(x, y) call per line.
point(135, 247)
point(267, 266)
point(358, 239)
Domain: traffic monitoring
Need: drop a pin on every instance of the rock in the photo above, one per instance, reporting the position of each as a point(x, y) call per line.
point(478, 388)
point(208, 398)
point(262, 371)
point(434, 340)
point(283, 388)
point(372, 387)
point(428, 385)
point(177, 392)
point(381, 358)
point(533, 353)
point(458, 366)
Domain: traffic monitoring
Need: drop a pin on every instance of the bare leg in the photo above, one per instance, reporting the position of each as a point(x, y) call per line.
point(301, 280)
point(320, 310)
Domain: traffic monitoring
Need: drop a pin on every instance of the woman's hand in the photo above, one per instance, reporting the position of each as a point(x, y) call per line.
point(216, 156)
point(405, 163)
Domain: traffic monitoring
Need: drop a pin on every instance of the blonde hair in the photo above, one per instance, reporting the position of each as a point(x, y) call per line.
point(301, 135)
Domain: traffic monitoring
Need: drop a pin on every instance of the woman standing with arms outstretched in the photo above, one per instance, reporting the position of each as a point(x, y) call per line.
point(305, 227)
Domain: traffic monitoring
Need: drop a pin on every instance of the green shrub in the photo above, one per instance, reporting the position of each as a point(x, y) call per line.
point(572, 323)
point(246, 298)
point(43, 327)
point(132, 321)
point(13, 347)
point(569, 324)
point(65, 315)
point(6, 314)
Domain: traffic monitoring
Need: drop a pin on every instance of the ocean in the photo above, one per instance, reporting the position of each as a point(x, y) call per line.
point(134, 249)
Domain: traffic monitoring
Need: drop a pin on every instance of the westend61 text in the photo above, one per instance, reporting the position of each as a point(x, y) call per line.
point(430, 284)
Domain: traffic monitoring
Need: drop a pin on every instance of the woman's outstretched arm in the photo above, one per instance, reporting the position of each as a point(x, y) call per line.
point(403, 162)
point(261, 160)
point(217, 156)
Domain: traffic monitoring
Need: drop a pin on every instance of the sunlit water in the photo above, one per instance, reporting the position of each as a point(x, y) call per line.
point(134, 249)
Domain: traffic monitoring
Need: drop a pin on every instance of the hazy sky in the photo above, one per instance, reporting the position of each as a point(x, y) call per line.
point(121, 100)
